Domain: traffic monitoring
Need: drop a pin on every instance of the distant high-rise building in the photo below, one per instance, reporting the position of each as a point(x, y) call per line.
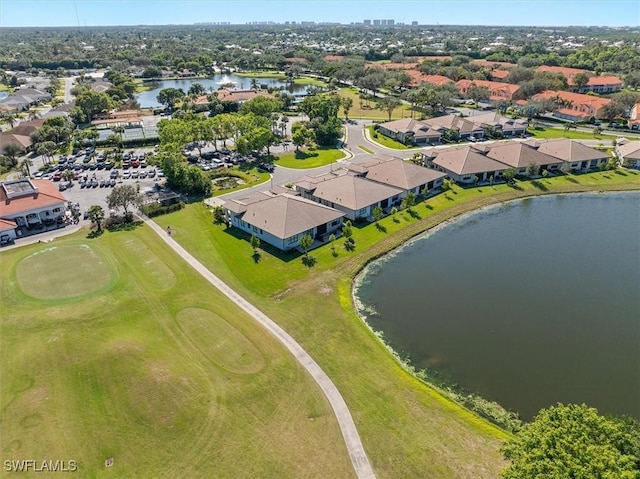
point(367, 22)
point(390, 22)
point(376, 22)
point(414, 23)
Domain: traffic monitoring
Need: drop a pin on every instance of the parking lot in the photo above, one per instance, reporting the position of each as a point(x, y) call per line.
point(94, 179)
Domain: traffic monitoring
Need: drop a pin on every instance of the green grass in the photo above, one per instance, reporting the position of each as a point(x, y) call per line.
point(156, 369)
point(369, 113)
point(250, 177)
point(304, 80)
point(409, 430)
point(266, 74)
point(573, 134)
point(4, 87)
point(310, 158)
point(383, 140)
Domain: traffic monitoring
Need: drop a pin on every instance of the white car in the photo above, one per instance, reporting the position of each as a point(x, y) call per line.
point(126, 174)
point(134, 174)
point(143, 173)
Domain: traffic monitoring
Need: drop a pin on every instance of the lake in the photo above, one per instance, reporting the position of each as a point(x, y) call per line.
point(528, 303)
point(147, 99)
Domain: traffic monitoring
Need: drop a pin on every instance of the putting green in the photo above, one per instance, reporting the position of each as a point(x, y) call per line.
point(151, 269)
point(64, 271)
point(220, 342)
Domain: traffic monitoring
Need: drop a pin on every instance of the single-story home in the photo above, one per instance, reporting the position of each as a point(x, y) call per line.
point(29, 203)
point(519, 155)
point(408, 131)
point(595, 83)
point(355, 196)
point(23, 98)
point(281, 220)
point(629, 154)
point(579, 156)
point(464, 164)
point(402, 174)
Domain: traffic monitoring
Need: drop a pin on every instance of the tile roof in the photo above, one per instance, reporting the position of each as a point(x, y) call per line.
point(47, 195)
point(630, 150)
point(568, 150)
point(286, 215)
point(519, 155)
point(399, 173)
point(352, 192)
point(575, 99)
point(466, 160)
point(6, 225)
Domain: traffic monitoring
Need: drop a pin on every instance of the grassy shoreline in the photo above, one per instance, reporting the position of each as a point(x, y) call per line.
point(390, 405)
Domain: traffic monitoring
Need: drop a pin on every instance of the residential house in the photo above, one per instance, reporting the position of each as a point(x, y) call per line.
point(401, 174)
point(410, 131)
point(574, 106)
point(509, 127)
point(418, 78)
point(596, 83)
point(21, 134)
point(239, 96)
point(578, 155)
point(281, 220)
point(519, 155)
point(498, 91)
point(100, 86)
point(29, 204)
point(23, 98)
point(355, 196)
point(629, 154)
point(464, 164)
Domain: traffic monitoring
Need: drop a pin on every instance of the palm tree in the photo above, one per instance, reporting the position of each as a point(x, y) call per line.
point(25, 166)
point(10, 118)
point(254, 84)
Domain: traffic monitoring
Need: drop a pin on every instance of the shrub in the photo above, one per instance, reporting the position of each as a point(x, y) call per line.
point(155, 209)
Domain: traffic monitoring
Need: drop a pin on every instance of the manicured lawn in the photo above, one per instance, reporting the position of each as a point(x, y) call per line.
point(409, 430)
point(267, 74)
point(248, 178)
point(303, 80)
point(140, 360)
point(309, 158)
point(4, 87)
point(386, 141)
point(573, 134)
point(371, 113)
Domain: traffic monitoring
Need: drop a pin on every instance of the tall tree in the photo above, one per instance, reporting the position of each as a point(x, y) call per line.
point(346, 103)
point(388, 104)
point(96, 216)
point(124, 196)
point(92, 102)
point(170, 96)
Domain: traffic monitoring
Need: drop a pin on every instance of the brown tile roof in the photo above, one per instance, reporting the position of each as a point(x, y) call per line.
point(25, 128)
point(352, 192)
point(630, 150)
point(603, 80)
point(568, 150)
point(400, 173)
point(465, 160)
point(334, 58)
point(499, 74)
point(519, 155)
point(47, 195)
point(239, 95)
point(285, 215)
point(6, 138)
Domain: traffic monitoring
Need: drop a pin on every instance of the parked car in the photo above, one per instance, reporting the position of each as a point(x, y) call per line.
point(134, 174)
point(57, 176)
point(152, 173)
point(143, 174)
point(126, 174)
point(112, 182)
point(113, 174)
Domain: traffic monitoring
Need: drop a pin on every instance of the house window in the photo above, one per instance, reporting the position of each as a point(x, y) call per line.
point(362, 212)
point(335, 222)
point(292, 239)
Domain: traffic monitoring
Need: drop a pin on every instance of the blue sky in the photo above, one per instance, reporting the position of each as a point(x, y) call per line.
point(459, 12)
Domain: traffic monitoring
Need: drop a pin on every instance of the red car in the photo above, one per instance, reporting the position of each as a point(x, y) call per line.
point(57, 176)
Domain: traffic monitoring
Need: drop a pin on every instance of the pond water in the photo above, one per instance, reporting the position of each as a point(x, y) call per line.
point(147, 99)
point(4, 94)
point(529, 303)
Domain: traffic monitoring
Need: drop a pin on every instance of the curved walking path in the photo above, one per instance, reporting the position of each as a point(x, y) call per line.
point(350, 434)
